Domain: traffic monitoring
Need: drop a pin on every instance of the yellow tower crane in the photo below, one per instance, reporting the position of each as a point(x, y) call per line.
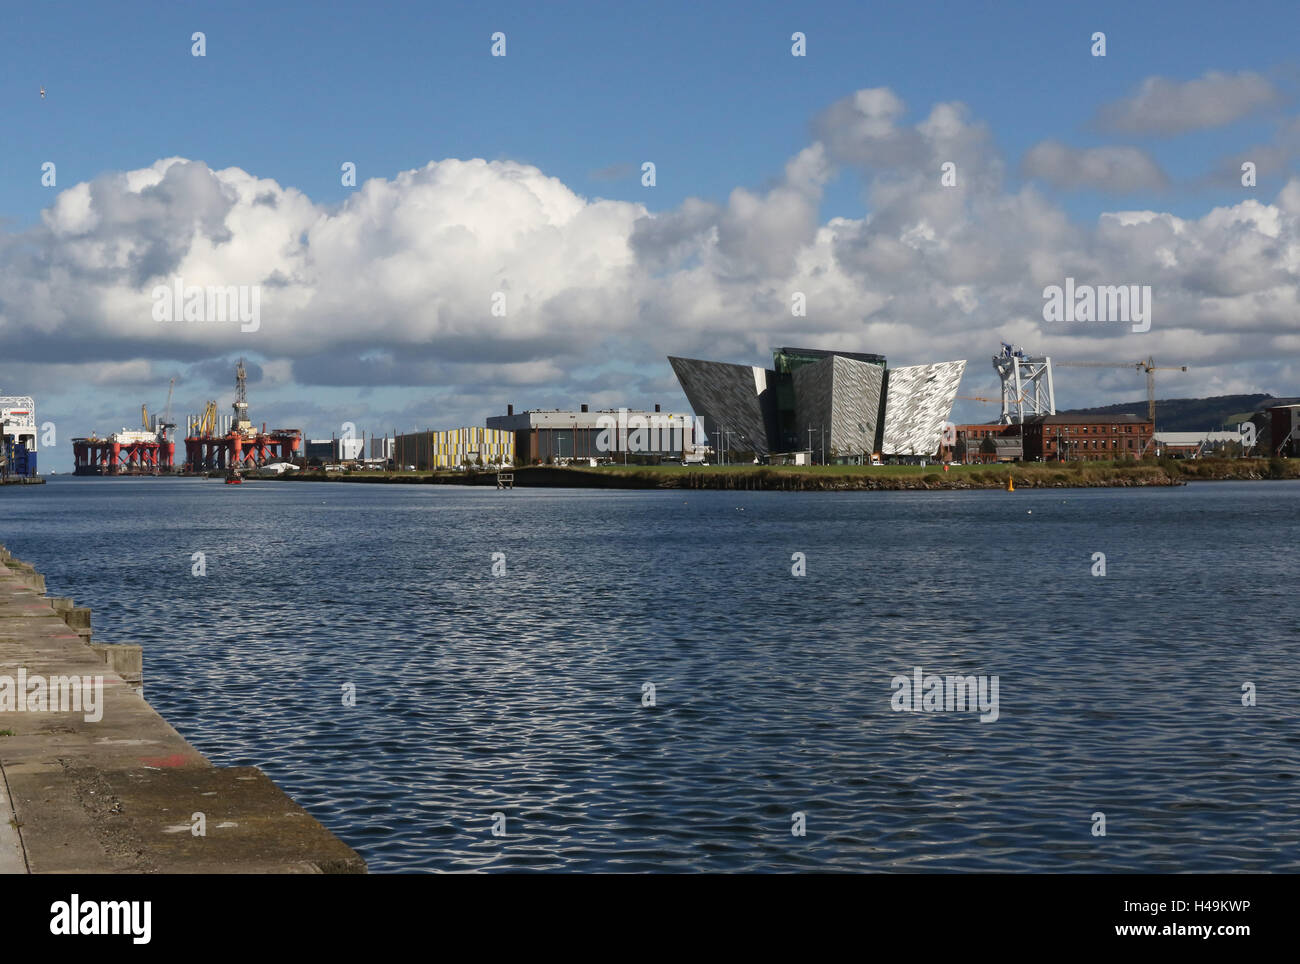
point(1149, 366)
point(208, 423)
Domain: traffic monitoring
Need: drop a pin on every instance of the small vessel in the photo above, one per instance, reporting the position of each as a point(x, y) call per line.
point(234, 478)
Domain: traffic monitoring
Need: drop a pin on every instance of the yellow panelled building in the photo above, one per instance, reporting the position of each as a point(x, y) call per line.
point(456, 446)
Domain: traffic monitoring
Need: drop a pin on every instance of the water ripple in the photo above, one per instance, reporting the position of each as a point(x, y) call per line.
point(523, 695)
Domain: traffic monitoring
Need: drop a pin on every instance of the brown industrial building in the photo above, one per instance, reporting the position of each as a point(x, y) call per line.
point(1002, 448)
point(1051, 438)
point(968, 446)
point(544, 436)
point(1086, 438)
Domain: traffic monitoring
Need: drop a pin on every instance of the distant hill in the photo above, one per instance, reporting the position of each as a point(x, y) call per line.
point(1193, 414)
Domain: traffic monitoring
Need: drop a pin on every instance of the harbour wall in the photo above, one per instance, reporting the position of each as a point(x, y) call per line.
point(123, 792)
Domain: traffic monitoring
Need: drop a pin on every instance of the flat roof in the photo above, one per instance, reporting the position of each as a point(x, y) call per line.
point(1195, 438)
point(1113, 418)
point(826, 353)
point(561, 419)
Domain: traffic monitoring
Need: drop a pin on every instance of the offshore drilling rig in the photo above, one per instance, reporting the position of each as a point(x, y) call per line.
point(149, 451)
point(234, 444)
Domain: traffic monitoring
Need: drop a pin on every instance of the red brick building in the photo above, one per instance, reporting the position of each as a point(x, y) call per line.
point(1088, 438)
point(1051, 438)
point(980, 432)
point(969, 441)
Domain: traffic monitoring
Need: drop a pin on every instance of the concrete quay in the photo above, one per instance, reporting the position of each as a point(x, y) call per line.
point(124, 792)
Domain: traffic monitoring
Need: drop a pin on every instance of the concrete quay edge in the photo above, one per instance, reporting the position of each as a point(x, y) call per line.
point(122, 794)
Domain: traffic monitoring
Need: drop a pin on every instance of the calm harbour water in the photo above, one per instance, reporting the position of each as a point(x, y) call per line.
point(522, 694)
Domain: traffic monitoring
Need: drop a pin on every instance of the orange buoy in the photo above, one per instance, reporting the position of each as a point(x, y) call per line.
point(1011, 485)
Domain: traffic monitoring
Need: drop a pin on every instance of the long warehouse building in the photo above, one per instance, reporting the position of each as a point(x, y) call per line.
point(557, 435)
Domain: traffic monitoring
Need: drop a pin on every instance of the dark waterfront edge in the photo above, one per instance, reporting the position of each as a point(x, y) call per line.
point(1165, 472)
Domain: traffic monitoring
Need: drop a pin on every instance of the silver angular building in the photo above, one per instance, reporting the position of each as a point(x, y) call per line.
point(844, 404)
point(918, 402)
point(732, 399)
point(840, 397)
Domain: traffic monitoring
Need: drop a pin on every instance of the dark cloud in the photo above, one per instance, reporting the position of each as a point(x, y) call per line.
point(1113, 170)
point(1167, 107)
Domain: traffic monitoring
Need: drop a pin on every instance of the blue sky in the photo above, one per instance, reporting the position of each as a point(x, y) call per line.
point(708, 92)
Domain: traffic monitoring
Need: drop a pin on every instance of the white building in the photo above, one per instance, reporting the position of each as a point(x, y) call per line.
point(1192, 444)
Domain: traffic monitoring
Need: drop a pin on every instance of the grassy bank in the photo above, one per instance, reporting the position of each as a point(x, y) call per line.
point(1149, 472)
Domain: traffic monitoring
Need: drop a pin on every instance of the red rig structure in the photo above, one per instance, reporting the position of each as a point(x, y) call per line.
point(147, 452)
point(243, 447)
point(124, 453)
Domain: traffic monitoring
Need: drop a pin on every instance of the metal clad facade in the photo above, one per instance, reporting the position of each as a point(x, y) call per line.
point(919, 400)
point(471, 445)
point(841, 396)
point(731, 398)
